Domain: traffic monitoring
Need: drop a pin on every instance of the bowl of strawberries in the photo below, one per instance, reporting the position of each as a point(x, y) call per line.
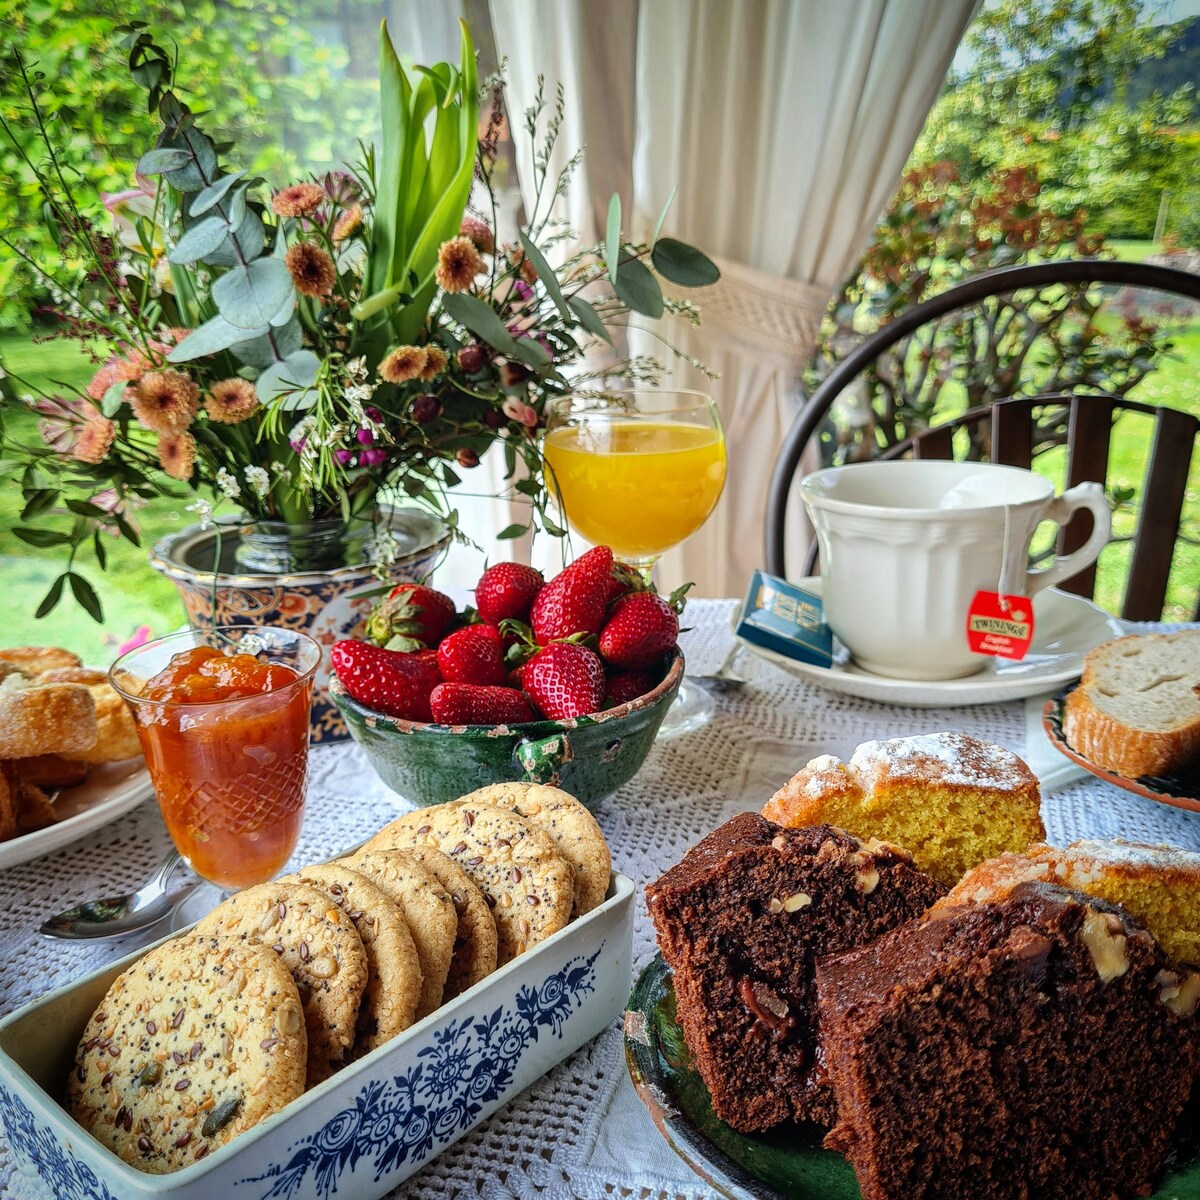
point(563, 681)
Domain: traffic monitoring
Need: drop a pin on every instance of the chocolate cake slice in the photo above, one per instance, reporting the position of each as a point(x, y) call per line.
point(1041, 1046)
point(741, 921)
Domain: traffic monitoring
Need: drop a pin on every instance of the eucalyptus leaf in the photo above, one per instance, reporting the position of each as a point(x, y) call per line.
point(85, 508)
point(512, 531)
point(481, 319)
point(284, 315)
point(683, 264)
point(236, 209)
point(199, 241)
point(212, 337)
point(637, 287)
point(662, 216)
point(38, 501)
point(201, 170)
point(545, 273)
point(589, 318)
point(612, 237)
point(271, 346)
point(156, 162)
point(41, 538)
point(250, 296)
point(51, 598)
point(532, 353)
point(214, 193)
point(291, 379)
point(113, 397)
point(250, 238)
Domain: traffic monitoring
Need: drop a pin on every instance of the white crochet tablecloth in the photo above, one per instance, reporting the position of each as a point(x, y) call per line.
point(580, 1131)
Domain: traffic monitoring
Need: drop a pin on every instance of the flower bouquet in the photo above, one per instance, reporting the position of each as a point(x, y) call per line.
point(304, 353)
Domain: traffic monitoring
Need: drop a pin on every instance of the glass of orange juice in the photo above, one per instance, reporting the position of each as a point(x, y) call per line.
point(223, 720)
point(639, 470)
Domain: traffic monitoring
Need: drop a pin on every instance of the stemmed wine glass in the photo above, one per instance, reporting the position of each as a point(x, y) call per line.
point(639, 470)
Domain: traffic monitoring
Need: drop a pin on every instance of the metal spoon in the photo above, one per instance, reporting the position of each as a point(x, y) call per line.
point(724, 678)
point(119, 916)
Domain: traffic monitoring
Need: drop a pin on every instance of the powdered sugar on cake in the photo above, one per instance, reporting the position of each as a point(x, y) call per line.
point(952, 759)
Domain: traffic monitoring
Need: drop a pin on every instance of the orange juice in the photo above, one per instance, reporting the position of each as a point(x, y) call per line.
point(640, 487)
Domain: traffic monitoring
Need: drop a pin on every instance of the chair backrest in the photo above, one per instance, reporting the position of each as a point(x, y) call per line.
point(1090, 420)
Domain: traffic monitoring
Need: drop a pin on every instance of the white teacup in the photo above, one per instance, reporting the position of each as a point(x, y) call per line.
point(905, 546)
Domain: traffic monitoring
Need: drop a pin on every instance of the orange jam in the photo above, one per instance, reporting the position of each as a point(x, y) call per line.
point(226, 741)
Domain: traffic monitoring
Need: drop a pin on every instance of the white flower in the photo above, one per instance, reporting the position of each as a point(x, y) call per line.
point(258, 480)
point(302, 428)
point(280, 471)
point(204, 511)
point(356, 368)
point(228, 484)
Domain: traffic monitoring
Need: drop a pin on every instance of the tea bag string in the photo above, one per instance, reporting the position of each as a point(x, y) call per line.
point(1005, 585)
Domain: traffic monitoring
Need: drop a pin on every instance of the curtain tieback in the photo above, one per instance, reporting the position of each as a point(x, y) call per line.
point(761, 311)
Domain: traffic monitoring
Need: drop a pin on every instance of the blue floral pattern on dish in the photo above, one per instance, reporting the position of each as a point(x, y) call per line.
point(471, 1063)
point(65, 1175)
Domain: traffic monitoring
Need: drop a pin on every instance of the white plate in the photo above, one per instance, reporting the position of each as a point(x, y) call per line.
point(1066, 627)
point(109, 792)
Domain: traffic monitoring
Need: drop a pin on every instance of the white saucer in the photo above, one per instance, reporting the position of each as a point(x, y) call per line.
point(1066, 627)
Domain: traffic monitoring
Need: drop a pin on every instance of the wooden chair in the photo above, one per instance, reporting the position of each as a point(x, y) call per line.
point(1090, 418)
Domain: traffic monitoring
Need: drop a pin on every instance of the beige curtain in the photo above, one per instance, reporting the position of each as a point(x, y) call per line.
point(785, 125)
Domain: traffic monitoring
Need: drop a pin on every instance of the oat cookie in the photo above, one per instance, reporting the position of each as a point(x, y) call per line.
point(320, 947)
point(393, 969)
point(475, 945)
point(516, 865)
point(194, 1043)
point(575, 831)
point(427, 908)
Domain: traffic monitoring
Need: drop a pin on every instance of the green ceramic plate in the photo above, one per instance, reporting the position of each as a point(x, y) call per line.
point(787, 1164)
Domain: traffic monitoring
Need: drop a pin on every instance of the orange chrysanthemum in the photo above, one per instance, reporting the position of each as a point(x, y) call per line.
point(312, 269)
point(480, 233)
point(458, 264)
point(166, 401)
point(299, 200)
point(231, 401)
point(435, 362)
point(95, 438)
point(348, 224)
point(177, 455)
point(524, 267)
point(404, 363)
point(104, 378)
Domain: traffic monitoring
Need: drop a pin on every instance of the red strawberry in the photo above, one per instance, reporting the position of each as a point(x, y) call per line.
point(387, 680)
point(473, 654)
point(622, 686)
point(574, 601)
point(564, 680)
point(624, 580)
point(640, 629)
point(412, 616)
point(471, 704)
point(506, 590)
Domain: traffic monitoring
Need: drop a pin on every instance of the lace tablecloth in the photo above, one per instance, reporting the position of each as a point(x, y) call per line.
point(580, 1131)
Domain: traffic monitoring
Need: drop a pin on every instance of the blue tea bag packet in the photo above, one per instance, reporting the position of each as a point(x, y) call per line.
point(785, 618)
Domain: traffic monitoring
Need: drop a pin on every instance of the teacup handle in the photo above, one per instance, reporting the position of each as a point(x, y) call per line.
point(1060, 510)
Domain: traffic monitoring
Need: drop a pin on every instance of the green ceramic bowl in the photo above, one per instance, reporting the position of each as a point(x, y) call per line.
point(590, 757)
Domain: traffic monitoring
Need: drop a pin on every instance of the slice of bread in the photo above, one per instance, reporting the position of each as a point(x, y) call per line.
point(1137, 708)
point(950, 800)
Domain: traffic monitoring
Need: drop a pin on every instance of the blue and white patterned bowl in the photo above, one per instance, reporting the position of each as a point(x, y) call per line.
point(374, 1123)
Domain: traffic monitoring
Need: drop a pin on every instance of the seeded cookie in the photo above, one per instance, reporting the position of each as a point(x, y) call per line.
point(194, 1043)
point(575, 831)
point(319, 945)
point(427, 908)
point(393, 969)
point(475, 944)
point(516, 865)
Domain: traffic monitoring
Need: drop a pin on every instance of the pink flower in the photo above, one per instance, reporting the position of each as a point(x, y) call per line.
point(61, 421)
point(372, 458)
point(517, 410)
point(140, 637)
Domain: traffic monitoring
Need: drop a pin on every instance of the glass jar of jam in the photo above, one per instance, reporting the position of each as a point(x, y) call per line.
point(223, 720)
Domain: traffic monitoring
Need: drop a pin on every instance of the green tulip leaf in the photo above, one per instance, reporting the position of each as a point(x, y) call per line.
point(662, 216)
point(683, 264)
point(250, 296)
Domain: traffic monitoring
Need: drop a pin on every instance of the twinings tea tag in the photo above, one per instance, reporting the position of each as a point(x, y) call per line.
point(1000, 625)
